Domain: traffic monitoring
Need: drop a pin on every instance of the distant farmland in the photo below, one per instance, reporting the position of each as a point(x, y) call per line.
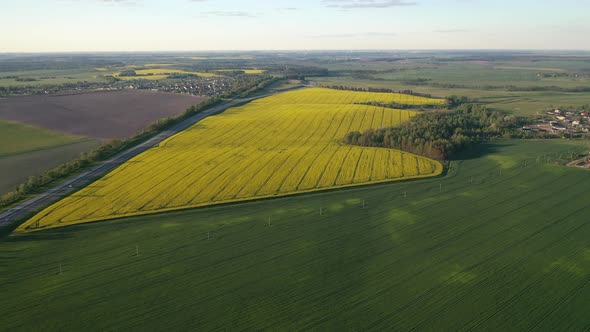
point(280, 145)
point(17, 138)
point(159, 73)
point(101, 115)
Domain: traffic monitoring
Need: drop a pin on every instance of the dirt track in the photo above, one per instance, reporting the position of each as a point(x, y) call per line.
point(102, 115)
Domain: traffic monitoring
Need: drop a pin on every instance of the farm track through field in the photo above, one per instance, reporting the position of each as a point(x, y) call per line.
point(313, 162)
point(244, 170)
point(282, 183)
point(323, 171)
point(310, 165)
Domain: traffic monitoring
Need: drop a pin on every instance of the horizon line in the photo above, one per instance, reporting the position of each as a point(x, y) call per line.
point(306, 50)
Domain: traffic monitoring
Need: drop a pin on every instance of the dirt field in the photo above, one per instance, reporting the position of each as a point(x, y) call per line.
point(102, 115)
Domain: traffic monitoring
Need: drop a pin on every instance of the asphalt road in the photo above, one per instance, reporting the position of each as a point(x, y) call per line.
point(81, 180)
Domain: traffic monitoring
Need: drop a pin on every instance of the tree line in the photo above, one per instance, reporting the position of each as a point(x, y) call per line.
point(397, 106)
point(451, 102)
point(438, 135)
point(509, 87)
point(384, 90)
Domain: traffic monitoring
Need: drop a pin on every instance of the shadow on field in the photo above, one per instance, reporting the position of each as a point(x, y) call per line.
point(46, 235)
point(481, 150)
point(7, 256)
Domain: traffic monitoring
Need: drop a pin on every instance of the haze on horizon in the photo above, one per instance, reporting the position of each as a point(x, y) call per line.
point(203, 25)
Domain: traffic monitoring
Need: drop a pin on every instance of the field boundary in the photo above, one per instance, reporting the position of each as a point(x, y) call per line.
point(82, 140)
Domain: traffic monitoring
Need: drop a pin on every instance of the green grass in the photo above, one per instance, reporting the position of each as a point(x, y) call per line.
point(17, 168)
point(28, 150)
point(509, 251)
point(52, 76)
point(19, 138)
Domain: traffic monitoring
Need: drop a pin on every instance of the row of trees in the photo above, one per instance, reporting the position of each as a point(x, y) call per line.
point(438, 135)
point(423, 107)
point(509, 87)
point(407, 92)
point(450, 103)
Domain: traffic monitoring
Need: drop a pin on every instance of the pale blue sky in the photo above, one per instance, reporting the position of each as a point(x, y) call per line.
point(193, 25)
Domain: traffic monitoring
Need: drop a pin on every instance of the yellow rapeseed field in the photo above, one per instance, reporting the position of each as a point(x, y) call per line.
point(158, 64)
point(163, 71)
point(279, 145)
point(160, 73)
point(247, 71)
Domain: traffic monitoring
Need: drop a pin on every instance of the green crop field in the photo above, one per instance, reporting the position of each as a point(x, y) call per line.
point(28, 150)
point(490, 74)
point(51, 76)
point(502, 243)
point(19, 138)
point(17, 168)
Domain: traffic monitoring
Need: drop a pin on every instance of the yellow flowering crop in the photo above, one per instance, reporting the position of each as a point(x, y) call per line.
point(279, 145)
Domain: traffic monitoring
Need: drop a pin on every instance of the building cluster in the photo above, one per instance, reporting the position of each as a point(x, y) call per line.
point(571, 122)
point(211, 86)
point(197, 86)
